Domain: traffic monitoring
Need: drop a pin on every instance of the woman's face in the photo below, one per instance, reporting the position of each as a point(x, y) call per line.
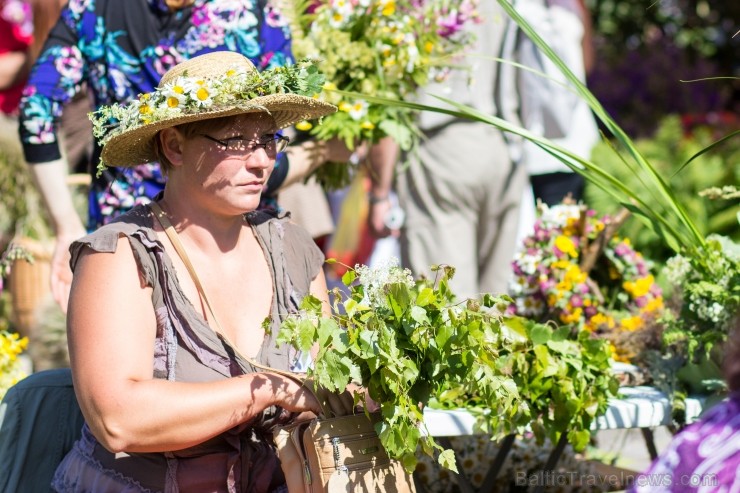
point(229, 164)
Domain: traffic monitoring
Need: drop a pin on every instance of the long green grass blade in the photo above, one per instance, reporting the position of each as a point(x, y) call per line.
point(670, 201)
point(705, 150)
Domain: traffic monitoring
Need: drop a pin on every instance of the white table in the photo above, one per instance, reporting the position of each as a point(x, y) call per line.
point(636, 407)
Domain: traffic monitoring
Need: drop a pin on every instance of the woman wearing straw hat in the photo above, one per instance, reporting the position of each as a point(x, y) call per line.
point(166, 312)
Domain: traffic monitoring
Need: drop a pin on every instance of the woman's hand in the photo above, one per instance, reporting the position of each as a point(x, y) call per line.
point(333, 404)
point(292, 396)
point(369, 403)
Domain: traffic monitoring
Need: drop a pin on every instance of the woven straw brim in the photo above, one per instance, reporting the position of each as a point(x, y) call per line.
point(136, 146)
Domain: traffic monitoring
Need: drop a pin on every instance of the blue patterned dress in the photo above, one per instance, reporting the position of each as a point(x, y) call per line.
point(118, 49)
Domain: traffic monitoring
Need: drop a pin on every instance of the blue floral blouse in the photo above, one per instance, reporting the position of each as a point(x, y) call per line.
point(118, 49)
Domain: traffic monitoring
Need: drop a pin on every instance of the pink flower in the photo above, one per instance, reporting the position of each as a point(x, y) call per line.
point(622, 250)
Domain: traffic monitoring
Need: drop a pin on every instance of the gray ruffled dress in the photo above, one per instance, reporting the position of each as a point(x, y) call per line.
point(186, 349)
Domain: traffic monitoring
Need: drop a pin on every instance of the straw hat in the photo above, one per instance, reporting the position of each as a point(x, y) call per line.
point(208, 86)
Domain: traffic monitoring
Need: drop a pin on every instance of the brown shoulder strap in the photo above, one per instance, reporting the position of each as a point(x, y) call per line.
point(180, 249)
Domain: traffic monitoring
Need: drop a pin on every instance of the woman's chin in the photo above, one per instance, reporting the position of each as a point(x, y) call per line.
point(248, 203)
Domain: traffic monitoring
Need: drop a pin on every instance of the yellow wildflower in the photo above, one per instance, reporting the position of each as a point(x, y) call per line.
point(571, 226)
point(631, 323)
point(566, 245)
point(561, 264)
point(654, 305)
point(574, 275)
point(304, 126)
point(599, 320)
point(570, 318)
point(640, 287)
point(389, 8)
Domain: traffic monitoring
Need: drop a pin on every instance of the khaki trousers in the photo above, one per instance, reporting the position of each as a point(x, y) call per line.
point(461, 195)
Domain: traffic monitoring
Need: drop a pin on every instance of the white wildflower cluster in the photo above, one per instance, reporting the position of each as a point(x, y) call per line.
point(676, 269)
point(529, 306)
point(528, 260)
point(711, 312)
point(558, 215)
point(375, 280)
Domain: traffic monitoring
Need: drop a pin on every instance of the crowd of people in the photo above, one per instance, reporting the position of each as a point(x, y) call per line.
point(186, 248)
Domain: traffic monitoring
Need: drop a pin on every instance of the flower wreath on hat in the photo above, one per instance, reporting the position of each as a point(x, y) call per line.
point(209, 86)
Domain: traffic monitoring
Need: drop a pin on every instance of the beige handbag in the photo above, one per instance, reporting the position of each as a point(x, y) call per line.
point(342, 454)
point(325, 454)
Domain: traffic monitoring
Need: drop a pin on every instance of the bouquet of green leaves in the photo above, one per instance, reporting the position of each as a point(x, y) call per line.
point(410, 343)
point(385, 48)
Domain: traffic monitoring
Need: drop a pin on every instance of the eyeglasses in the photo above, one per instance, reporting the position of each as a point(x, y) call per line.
point(271, 143)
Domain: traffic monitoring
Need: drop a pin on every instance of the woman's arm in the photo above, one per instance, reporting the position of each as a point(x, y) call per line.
point(112, 328)
point(320, 291)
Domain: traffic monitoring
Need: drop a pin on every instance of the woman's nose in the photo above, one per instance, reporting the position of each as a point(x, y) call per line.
point(260, 158)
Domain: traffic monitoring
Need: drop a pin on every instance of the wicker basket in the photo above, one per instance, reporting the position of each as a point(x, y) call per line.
point(29, 283)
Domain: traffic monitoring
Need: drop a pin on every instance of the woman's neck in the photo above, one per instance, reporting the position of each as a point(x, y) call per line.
point(205, 230)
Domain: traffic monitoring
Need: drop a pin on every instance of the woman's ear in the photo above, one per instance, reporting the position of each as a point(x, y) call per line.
point(170, 144)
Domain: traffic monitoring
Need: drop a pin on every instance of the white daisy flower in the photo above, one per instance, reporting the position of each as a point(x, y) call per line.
point(341, 11)
point(358, 110)
point(559, 214)
point(202, 92)
point(175, 93)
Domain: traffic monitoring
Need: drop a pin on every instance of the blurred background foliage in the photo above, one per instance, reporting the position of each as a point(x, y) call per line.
point(673, 144)
point(645, 48)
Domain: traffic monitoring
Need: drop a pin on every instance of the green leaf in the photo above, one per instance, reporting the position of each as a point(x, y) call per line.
point(306, 335)
point(561, 346)
point(579, 439)
point(349, 277)
point(446, 459)
point(540, 334)
point(328, 331)
point(336, 372)
point(425, 297)
point(399, 132)
point(419, 315)
point(311, 303)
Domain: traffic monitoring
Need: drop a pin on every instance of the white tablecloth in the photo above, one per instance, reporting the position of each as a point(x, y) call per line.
point(638, 407)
